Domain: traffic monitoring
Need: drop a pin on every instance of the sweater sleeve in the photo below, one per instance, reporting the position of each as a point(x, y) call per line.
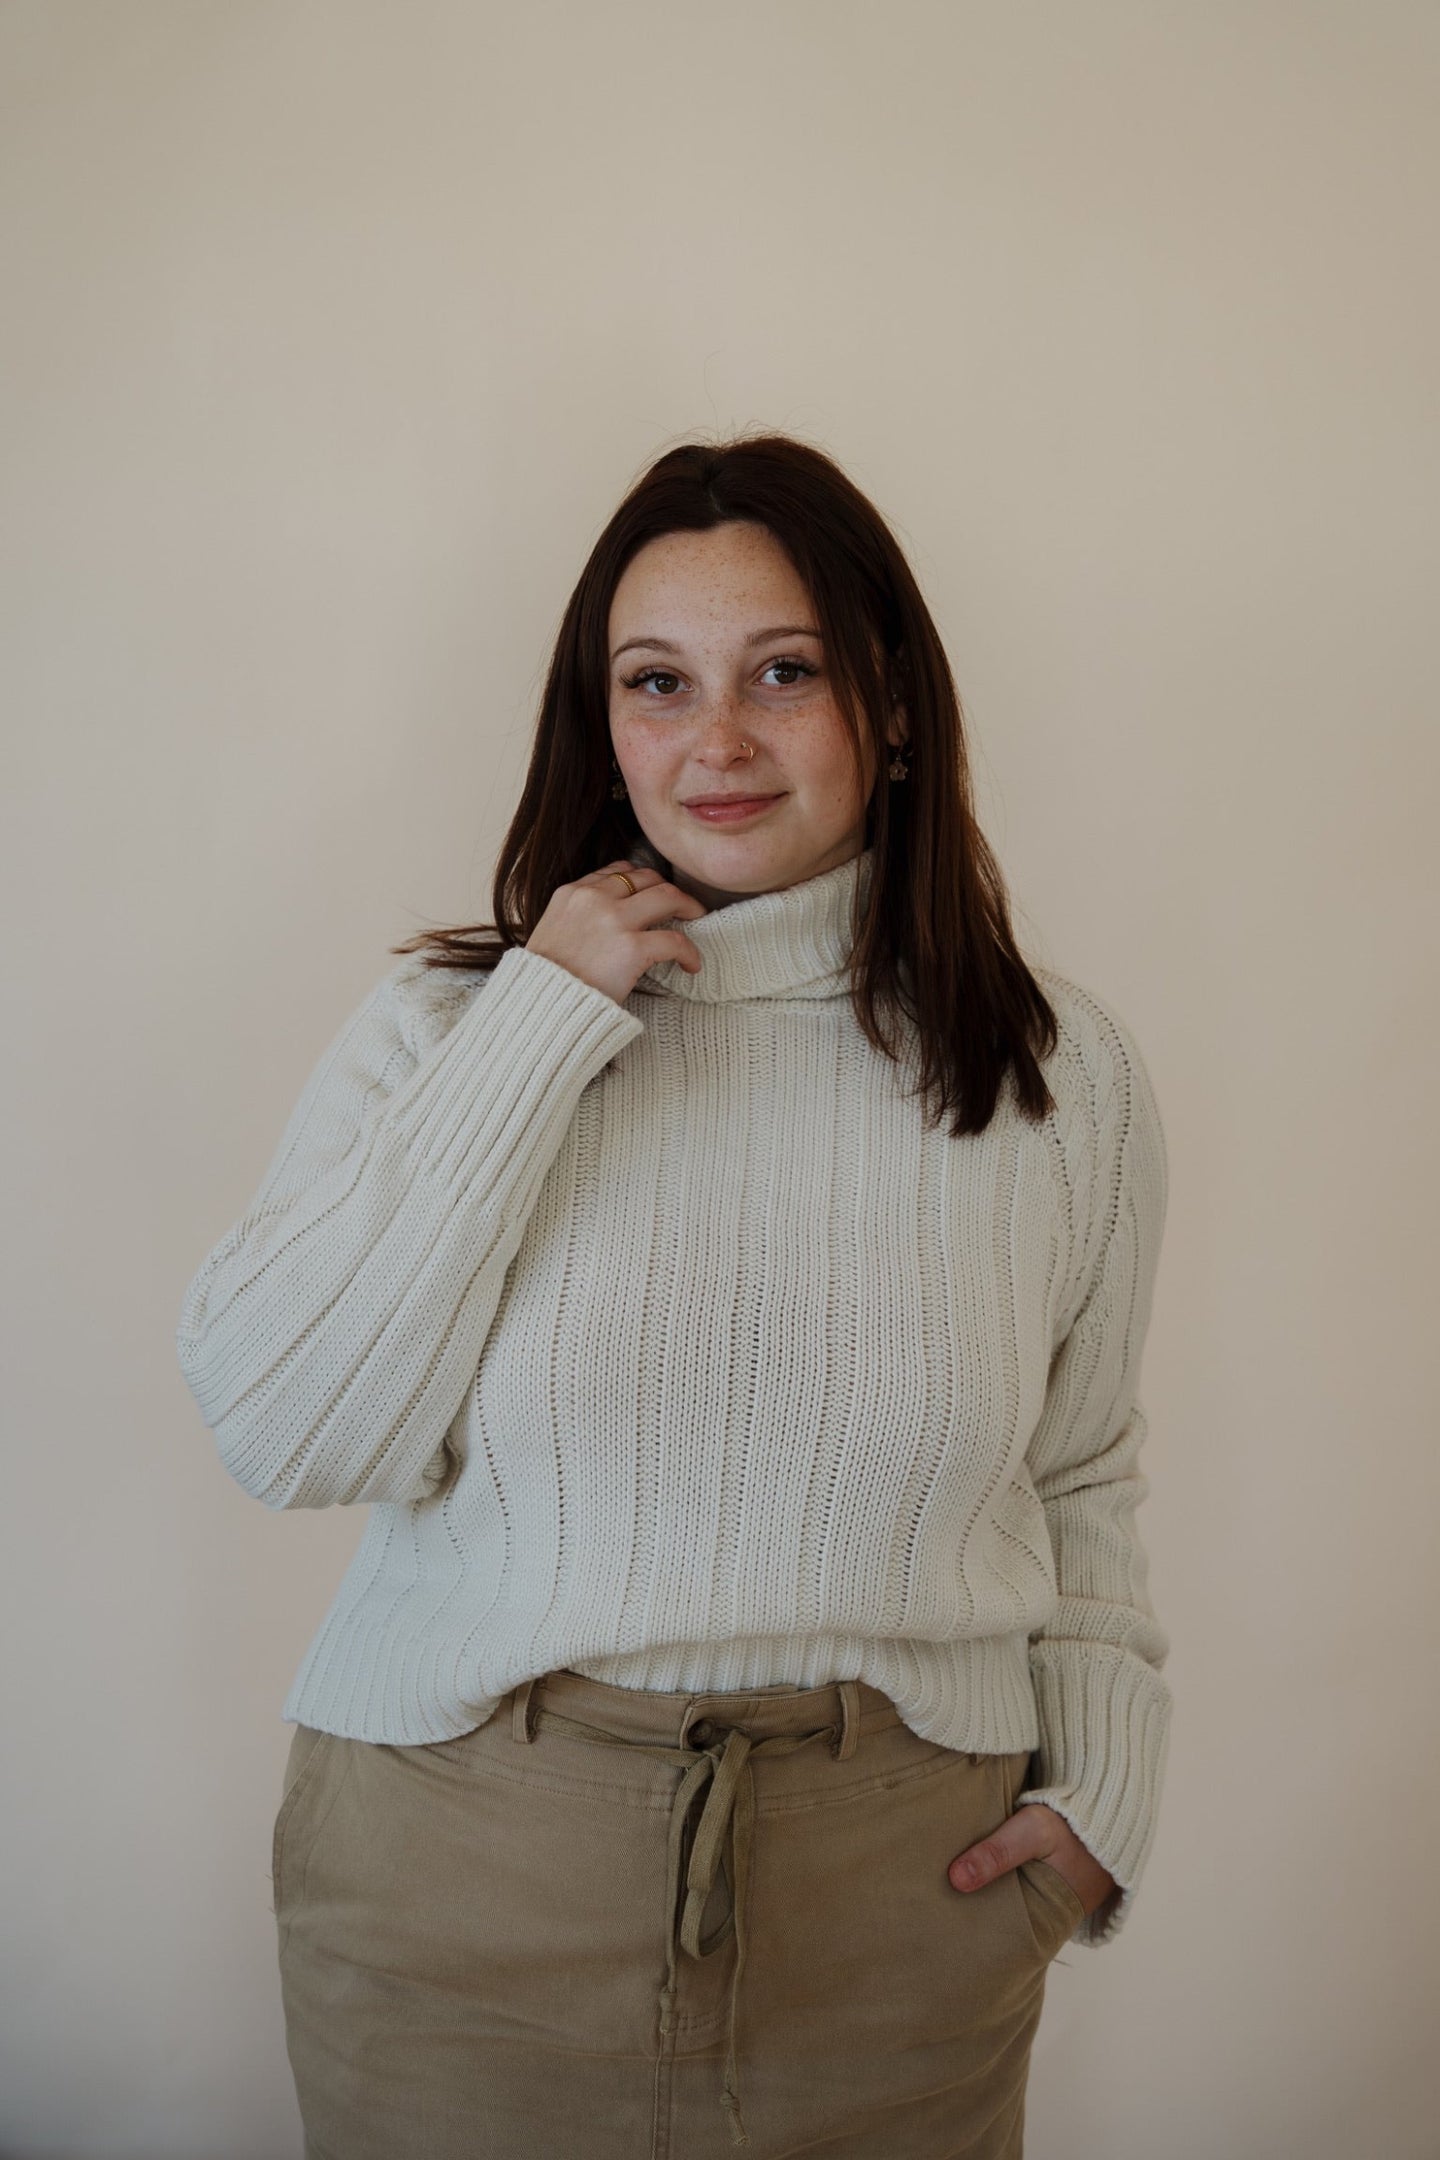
point(331, 1335)
point(1104, 1710)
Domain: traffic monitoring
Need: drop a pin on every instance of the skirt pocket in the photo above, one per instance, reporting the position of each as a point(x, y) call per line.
point(1052, 1905)
point(310, 1750)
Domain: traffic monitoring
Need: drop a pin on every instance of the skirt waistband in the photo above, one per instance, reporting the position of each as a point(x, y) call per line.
point(643, 1714)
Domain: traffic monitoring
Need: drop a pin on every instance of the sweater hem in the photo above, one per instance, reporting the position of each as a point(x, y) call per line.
point(974, 1694)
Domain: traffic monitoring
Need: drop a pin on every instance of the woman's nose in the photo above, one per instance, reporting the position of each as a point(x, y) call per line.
point(723, 728)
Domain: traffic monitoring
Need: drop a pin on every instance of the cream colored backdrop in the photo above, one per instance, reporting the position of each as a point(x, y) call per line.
point(333, 333)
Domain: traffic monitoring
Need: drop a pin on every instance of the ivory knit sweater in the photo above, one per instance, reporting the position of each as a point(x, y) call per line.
point(666, 1343)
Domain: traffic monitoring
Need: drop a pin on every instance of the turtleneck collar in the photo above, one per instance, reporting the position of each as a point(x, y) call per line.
point(791, 943)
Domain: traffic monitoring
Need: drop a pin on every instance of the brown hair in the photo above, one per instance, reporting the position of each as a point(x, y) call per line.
point(935, 943)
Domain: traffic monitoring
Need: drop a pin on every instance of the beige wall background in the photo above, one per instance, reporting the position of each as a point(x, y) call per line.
point(333, 334)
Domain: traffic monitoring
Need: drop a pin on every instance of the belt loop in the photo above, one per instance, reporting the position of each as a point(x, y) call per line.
point(849, 1695)
point(520, 1725)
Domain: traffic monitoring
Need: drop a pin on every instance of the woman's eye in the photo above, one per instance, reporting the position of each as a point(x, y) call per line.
point(649, 674)
point(667, 675)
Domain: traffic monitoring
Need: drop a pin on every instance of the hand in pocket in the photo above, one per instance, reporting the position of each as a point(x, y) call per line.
point(1036, 1832)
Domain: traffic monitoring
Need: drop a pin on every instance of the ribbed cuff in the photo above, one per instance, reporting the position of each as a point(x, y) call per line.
point(453, 1126)
point(1104, 1735)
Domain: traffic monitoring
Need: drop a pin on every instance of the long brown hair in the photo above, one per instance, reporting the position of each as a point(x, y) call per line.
point(934, 944)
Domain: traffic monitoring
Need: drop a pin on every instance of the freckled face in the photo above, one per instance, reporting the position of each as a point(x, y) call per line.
point(713, 644)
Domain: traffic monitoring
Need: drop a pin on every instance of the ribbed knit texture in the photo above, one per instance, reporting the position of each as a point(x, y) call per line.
point(667, 1343)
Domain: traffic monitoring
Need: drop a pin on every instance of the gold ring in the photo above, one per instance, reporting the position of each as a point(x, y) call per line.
point(621, 874)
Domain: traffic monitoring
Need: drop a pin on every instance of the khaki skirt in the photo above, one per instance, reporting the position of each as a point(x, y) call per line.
point(646, 1926)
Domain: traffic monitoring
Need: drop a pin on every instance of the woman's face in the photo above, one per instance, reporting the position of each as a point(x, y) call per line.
point(713, 644)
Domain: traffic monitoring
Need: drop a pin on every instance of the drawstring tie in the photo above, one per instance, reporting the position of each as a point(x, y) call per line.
point(724, 1830)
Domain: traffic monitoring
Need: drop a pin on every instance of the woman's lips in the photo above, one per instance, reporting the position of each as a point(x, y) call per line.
point(733, 812)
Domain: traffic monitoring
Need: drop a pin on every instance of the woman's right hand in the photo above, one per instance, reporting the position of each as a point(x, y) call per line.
point(602, 933)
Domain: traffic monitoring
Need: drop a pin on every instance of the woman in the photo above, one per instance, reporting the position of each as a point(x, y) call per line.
point(725, 1279)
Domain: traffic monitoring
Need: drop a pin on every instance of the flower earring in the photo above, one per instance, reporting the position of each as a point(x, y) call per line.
point(899, 766)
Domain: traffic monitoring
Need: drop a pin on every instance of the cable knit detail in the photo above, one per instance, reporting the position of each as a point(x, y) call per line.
point(667, 1343)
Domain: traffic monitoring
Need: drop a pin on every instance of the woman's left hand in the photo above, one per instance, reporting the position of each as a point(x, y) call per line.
point(1036, 1832)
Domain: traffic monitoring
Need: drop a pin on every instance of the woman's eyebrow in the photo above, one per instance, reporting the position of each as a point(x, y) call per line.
point(758, 637)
